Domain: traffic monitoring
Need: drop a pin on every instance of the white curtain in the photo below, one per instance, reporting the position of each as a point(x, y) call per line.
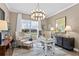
point(38, 28)
point(39, 24)
point(18, 27)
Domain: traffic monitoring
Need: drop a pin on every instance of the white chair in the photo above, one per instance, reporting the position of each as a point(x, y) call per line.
point(42, 40)
point(23, 39)
point(51, 45)
point(28, 44)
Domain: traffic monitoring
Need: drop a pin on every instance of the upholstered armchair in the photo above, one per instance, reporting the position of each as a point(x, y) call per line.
point(23, 40)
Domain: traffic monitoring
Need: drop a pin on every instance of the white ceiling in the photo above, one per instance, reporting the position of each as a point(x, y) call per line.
point(49, 8)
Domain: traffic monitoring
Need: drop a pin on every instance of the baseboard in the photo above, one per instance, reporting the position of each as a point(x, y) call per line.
point(76, 49)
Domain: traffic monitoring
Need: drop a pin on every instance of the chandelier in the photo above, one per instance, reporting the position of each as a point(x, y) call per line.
point(37, 14)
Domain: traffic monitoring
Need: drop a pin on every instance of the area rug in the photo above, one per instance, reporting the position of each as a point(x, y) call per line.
point(35, 51)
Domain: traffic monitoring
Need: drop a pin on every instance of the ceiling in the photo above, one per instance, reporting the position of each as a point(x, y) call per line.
point(49, 8)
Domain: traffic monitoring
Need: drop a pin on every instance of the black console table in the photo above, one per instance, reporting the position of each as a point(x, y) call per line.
point(65, 42)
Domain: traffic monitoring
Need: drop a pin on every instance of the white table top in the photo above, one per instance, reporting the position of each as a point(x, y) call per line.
point(49, 40)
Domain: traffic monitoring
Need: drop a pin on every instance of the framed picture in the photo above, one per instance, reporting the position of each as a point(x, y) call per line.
point(2, 14)
point(60, 24)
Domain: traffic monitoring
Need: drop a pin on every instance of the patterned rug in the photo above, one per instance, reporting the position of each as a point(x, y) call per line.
point(37, 51)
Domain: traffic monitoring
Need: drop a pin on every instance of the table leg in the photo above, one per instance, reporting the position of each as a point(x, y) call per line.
point(45, 49)
point(53, 48)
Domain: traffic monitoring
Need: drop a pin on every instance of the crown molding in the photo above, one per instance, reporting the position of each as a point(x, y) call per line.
point(13, 10)
point(62, 10)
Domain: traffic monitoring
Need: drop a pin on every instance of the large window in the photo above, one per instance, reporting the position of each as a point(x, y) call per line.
point(30, 27)
point(29, 24)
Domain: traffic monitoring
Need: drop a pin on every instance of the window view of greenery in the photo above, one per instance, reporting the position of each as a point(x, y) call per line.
point(30, 27)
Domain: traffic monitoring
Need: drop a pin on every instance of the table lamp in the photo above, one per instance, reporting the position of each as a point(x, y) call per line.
point(52, 31)
point(3, 27)
point(68, 29)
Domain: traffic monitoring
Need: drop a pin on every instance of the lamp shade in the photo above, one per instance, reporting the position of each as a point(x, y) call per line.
point(68, 28)
point(3, 25)
point(52, 29)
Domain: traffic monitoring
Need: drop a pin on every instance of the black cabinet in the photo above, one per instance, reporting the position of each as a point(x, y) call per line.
point(68, 43)
point(59, 41)
point(65, 42)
